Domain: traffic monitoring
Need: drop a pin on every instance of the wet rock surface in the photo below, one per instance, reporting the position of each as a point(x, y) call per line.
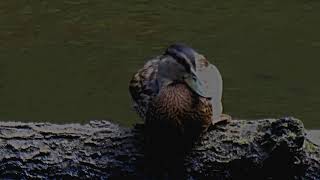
point(261, 149)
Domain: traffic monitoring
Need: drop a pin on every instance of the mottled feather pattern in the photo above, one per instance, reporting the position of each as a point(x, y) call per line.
point(178, 107)
point(143, 86)
point(167, 96)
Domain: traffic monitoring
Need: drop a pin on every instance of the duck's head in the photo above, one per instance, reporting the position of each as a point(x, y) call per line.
point(179, 66)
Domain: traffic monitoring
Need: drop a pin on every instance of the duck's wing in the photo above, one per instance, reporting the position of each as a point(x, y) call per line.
point(211, 77)
point(143, 86)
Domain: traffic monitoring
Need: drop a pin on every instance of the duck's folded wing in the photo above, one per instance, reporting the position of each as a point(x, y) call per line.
point(211, 77)
point(143, 86)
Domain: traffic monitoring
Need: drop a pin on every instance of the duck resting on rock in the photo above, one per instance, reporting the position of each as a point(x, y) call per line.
point(178, 92)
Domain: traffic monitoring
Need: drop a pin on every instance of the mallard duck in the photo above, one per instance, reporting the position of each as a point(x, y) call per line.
point(179, 90)
point(178, 94)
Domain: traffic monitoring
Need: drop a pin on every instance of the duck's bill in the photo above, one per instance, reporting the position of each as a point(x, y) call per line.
point(197, 86)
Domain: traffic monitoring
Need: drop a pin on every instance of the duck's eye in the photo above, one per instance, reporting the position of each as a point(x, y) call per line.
point(194, 77)
point(189, 76)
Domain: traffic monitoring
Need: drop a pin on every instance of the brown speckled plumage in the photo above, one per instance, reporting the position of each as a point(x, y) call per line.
point(164, 100)
point(181, 109)
point(178, 95)
point(142, 86)
point(176, 112)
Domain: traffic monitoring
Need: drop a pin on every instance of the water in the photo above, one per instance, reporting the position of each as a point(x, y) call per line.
point(71, 60)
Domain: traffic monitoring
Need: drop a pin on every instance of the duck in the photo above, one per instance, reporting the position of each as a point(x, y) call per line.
point(179, 96)
point(179, 91)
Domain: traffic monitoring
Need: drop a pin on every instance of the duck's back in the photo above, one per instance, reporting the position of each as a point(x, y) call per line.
point(143, 86)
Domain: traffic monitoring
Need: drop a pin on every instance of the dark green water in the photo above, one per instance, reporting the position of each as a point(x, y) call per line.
point(71, 60)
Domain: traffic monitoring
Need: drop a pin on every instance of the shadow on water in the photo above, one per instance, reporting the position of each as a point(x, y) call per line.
point(71, 60)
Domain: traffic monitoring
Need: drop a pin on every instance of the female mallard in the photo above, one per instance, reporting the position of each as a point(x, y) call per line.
point(180, 90)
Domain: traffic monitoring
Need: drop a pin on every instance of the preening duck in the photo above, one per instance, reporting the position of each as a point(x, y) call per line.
point(179, 91)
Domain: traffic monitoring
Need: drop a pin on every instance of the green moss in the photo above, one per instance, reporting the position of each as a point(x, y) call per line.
point(292, 135)
point(309, 147)
point(242, 141)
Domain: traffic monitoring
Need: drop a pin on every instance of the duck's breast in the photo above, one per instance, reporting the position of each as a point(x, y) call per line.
point(177, 107)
